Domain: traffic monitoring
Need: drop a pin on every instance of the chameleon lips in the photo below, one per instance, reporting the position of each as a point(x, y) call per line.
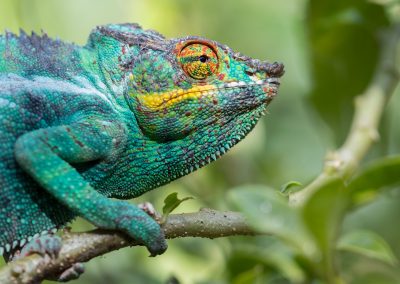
point(157, 101)
point(269, 87)
point(272, 81)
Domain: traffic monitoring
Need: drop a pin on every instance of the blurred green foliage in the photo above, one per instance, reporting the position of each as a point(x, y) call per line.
point(330, 50)
point(334, 28)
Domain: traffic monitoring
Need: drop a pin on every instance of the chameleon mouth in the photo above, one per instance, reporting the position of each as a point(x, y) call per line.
point(273, 81)
point(255, 95)
point(162, 100)
point(268, 81)
point(270, 86)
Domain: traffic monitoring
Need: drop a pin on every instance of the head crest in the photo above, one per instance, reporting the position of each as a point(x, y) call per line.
point(132, 34)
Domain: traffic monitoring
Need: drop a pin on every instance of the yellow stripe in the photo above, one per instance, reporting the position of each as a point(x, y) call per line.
point(166, 99)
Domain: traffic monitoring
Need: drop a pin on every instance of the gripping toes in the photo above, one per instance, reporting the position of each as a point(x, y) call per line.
point(143, 228)
point(43, 245)
point(71, 273)
point(158, 245)
point(50, 245)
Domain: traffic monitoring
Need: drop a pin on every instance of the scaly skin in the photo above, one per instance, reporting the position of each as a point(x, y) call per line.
point(127, 112)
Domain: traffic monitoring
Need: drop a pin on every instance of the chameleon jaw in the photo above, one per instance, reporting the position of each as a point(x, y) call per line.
point(157, 101)
point(223, 146)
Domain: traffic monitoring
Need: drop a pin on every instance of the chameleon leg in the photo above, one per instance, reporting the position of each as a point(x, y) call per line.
point(46, 154)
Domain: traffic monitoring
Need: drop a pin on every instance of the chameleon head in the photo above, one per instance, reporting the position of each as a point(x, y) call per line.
point(193, 99)
point(196, 85)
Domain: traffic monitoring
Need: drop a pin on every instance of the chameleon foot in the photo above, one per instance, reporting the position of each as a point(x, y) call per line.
point(150, 210)
point(44, 245)
point(72, 273)
point(49, 245)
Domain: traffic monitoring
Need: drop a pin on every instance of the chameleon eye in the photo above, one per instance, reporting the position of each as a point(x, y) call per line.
point(199, 61)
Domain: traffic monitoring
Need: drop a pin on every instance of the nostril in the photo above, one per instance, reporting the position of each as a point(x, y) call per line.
point(275, 69)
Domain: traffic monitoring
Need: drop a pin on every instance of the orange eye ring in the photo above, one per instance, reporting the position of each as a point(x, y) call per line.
point(199, 61)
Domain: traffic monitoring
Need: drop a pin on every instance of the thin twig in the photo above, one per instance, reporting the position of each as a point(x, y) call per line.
point(81, 247)
point(368, 112)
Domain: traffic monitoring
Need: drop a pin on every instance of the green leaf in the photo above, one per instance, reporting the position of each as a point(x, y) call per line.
point(377, 175)
point(253, 275)
point(367, 244)
point(272, 253)
point(171, 202)
point(268, 212)
point(285, 262)
point(287, 188)
point(340, 71)
point(323, 213)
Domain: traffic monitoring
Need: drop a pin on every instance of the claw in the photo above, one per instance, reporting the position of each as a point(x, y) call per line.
point(149, 209)
point(72, 273)
point(50, 245)
point(158, 246)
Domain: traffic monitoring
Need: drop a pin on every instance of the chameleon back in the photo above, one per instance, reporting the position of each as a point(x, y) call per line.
point(25, 210)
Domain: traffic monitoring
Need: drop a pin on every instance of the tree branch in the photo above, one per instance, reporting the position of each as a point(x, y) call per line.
point(81, 247)
point(368, 113)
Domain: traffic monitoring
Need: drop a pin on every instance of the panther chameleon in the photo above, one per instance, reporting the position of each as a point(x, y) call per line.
point(125, 113)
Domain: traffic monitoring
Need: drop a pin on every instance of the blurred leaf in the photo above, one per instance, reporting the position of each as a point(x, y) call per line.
point(250, 276)
point(272, 253)
point(172, 280)
point(323, 213)
point(367, 244)
point(377, 175)
point(287, 188)
point(344, 54)
point(268, 211)
point(171, 202)
point(374, 278)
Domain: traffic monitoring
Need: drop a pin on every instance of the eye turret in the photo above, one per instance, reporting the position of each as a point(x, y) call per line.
point(198, 61)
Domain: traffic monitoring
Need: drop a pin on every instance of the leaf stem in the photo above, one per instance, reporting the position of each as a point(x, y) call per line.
point(364, 130)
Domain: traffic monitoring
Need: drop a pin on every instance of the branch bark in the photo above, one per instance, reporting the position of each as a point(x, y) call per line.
point(81, 247)
point(364, 130)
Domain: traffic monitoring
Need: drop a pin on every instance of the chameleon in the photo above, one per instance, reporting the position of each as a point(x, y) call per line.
point(83, 128)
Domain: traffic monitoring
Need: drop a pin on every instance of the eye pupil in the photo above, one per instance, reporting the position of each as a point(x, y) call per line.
point(203, 58)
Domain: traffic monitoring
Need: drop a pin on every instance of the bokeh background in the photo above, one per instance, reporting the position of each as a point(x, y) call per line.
point(330, 50)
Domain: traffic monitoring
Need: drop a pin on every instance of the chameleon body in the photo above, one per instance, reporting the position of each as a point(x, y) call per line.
point(126, 113)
